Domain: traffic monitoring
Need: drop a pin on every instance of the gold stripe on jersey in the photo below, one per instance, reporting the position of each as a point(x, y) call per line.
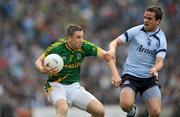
point(60, 79)
point(59, 42)
point(98, 50)
point(43, 55)
point(48, 87)
point(79, 50)
point(68, 47)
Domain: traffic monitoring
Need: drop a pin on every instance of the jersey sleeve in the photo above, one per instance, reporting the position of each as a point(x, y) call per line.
point(161, 52)
point(48, 50)
point(89, 48)
point(127, 36)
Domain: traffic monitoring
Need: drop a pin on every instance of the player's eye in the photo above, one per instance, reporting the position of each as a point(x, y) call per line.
point(150, 18)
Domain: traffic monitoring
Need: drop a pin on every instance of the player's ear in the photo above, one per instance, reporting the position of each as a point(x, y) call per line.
point(68, 37)
point(158, 21)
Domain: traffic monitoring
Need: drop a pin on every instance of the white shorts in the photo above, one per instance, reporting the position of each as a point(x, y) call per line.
point(74, 94)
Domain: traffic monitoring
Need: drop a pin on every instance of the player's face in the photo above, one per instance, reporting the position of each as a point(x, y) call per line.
point(76, 39)
point(150, 22)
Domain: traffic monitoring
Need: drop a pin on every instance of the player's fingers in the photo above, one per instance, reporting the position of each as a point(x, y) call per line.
point(112, 82)
point(46, 68)
point(151, 71)
point(118, 83)
point(115, 83)
point(114, 60)
point(156, 76)
point(53, 70)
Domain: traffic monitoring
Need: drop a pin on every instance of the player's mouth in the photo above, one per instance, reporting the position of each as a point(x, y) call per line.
point(146, 25)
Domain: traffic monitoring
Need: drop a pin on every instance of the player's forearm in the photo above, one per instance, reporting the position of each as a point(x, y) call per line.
point(158, 64)
point(39, 63)
point(115, 78)
point(113, 68)
point(113, 46)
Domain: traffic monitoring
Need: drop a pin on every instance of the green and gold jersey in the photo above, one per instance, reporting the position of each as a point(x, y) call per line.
point(72, 60)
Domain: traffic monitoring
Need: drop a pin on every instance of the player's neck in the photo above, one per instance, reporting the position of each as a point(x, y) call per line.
point(154, 30)
point(69, 46)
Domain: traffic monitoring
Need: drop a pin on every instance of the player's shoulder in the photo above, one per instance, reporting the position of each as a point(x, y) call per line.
point(86, 42)
point(57, 43)
point(61, 40)
point(161, 34)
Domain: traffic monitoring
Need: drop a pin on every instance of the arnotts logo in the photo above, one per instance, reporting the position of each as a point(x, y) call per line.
point(145, 50)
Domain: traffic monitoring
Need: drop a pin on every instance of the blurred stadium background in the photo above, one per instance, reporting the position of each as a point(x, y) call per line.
point(27, 27)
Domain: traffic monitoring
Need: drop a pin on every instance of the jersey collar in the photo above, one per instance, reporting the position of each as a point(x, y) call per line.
point(68, 47)
point(151, 33)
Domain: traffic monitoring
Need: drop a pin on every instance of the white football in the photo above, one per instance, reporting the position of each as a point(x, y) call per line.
point(54, 60)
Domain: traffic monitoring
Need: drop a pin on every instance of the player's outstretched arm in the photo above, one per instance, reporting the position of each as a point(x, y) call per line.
point(113, 46)
point(115, 78)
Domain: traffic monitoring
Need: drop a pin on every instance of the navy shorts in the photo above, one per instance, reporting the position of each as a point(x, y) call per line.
point(138, 84)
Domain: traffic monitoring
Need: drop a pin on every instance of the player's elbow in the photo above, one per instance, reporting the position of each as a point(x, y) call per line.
point(38, 63)
point(113, 44)
point(116, 42)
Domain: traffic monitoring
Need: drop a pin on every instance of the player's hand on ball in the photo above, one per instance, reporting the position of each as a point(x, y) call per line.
point(53, 63)
point(48, 70)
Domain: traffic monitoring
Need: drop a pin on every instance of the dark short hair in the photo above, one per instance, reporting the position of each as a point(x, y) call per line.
point(71, 28)
point(157, 10)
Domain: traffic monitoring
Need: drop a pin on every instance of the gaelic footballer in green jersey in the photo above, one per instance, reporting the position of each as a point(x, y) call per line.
point(63, 88)
point(72, 60)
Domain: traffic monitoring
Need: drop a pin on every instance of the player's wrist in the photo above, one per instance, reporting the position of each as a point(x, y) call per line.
point(42, 69)
point(155, 69)
point(107, 57)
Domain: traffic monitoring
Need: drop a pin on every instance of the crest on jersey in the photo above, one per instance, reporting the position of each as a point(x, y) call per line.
point(149, 42)
point(70, 58)
point(78, 56)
